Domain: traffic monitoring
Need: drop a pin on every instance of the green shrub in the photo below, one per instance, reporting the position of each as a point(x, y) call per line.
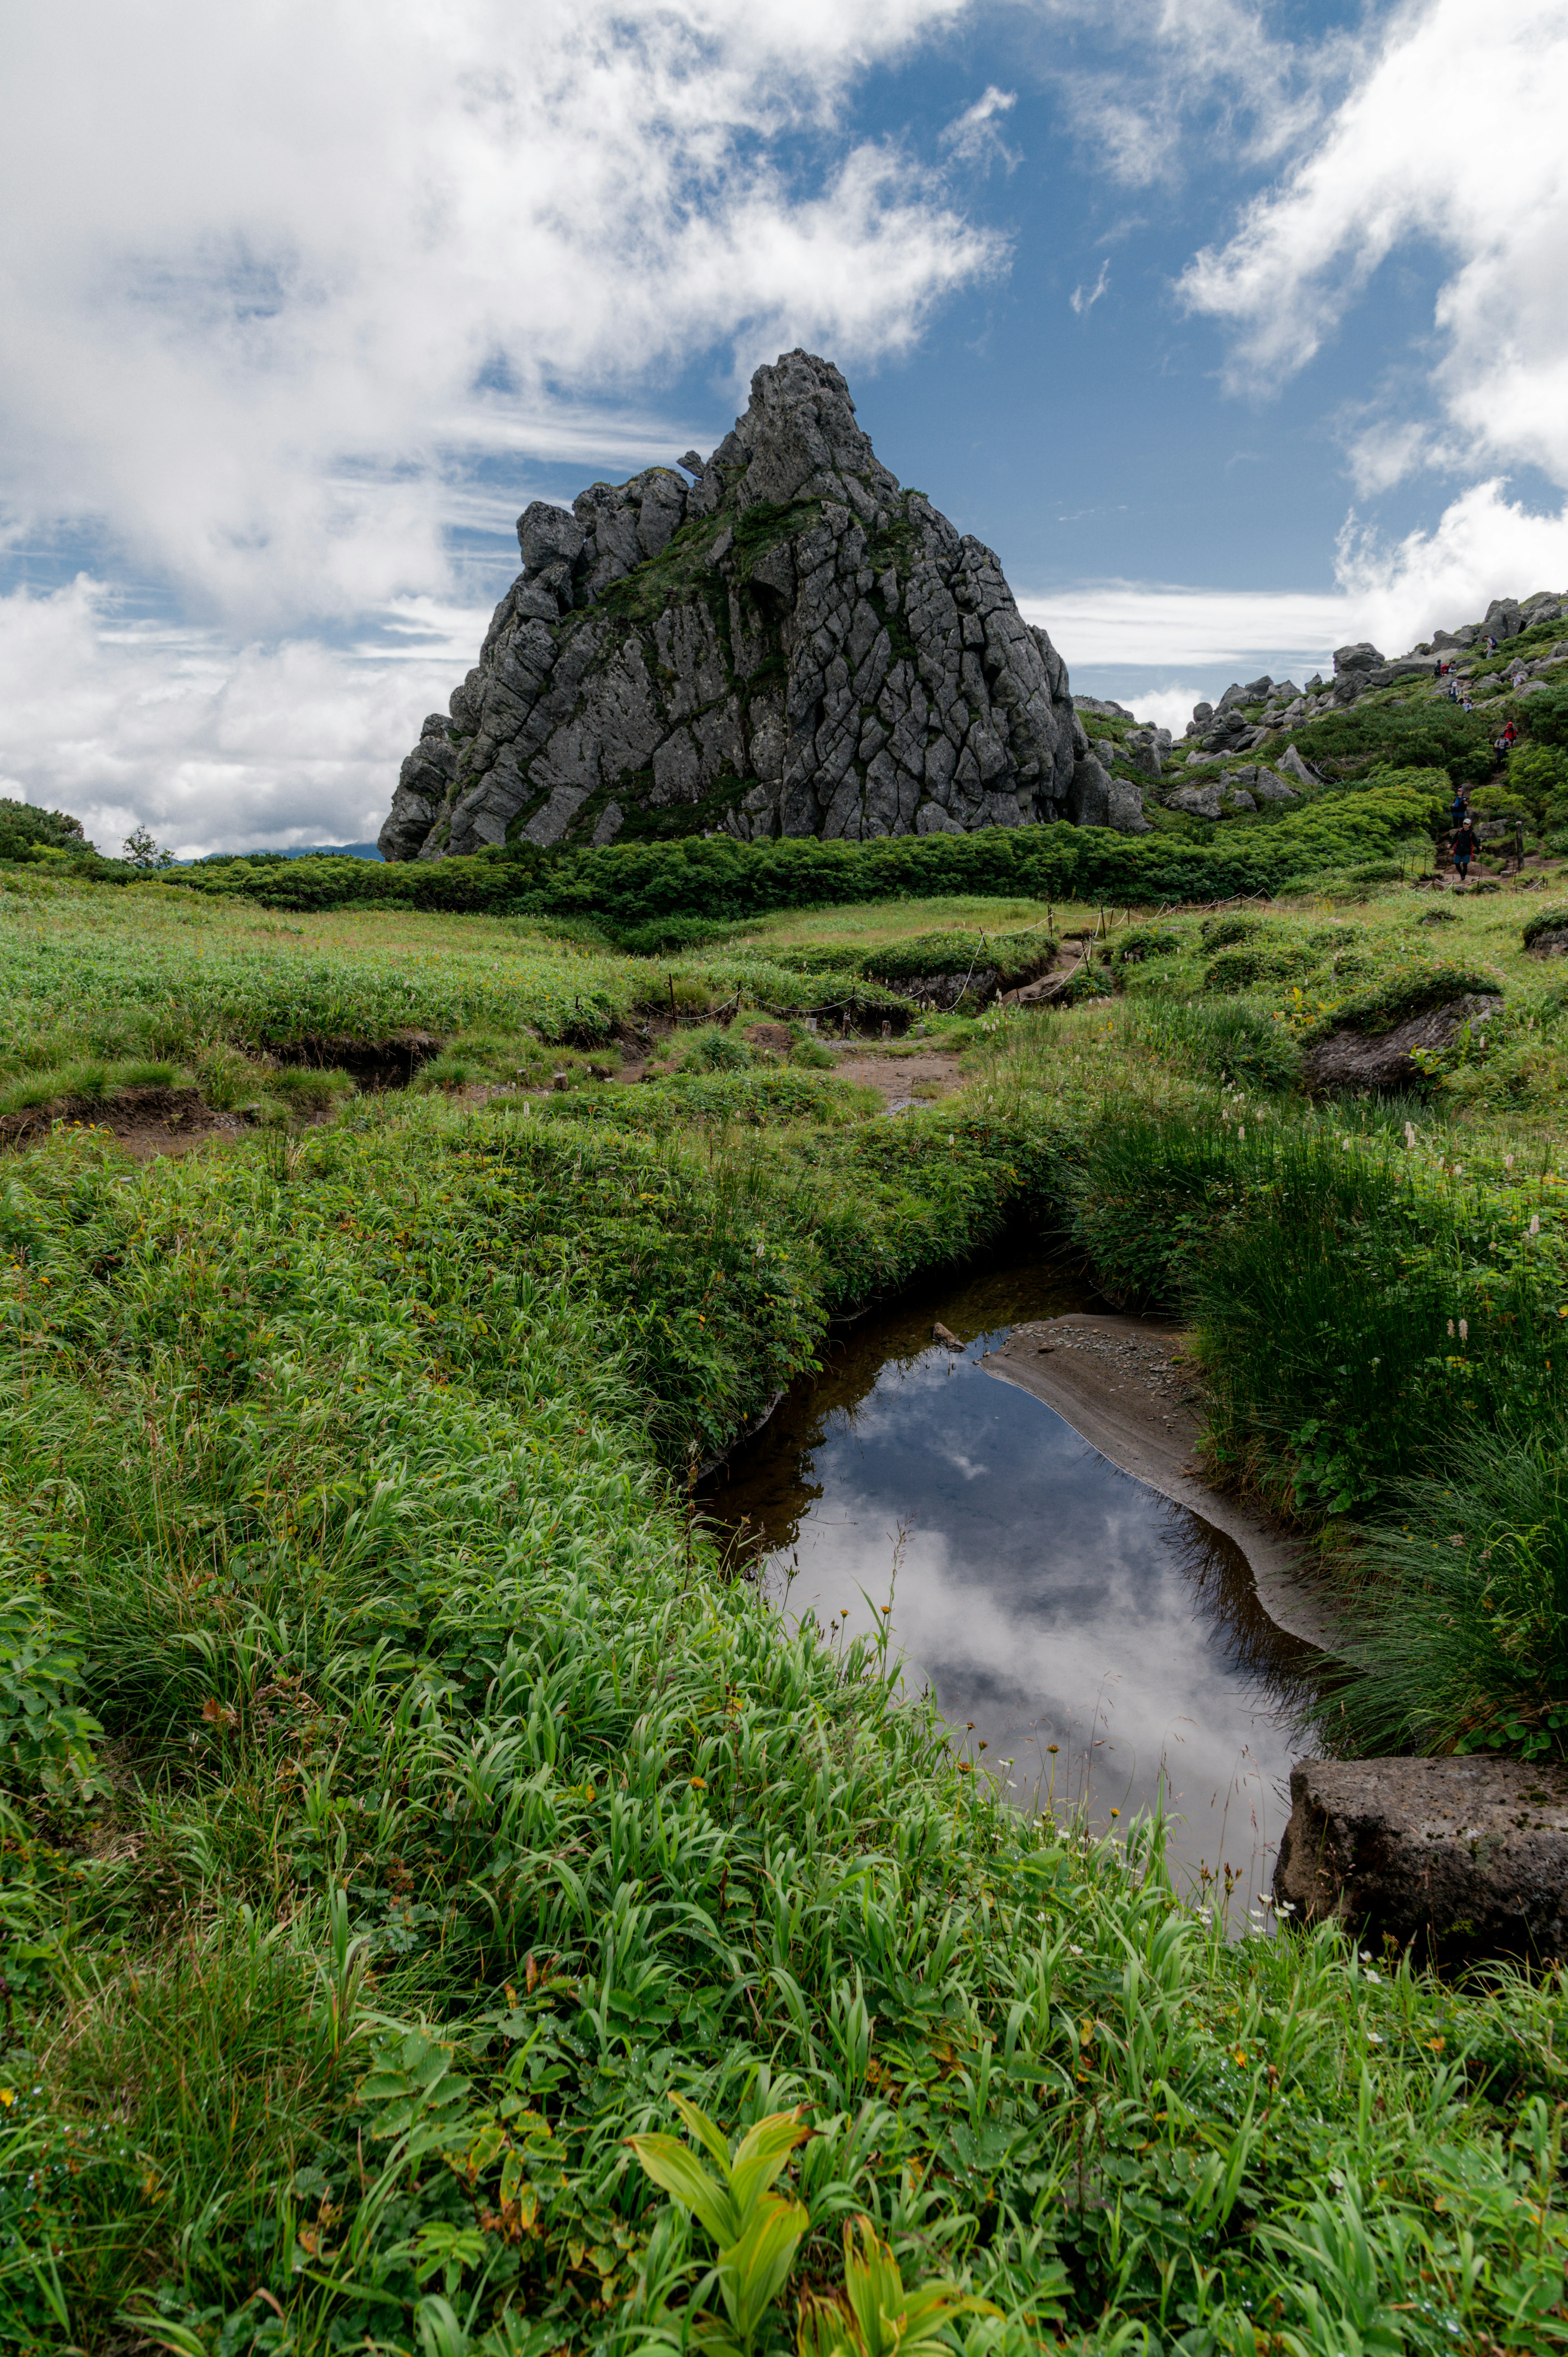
point(1407, 990)
point(1221, 932)
point(1546, 717)
point(24, 829)
point(1244, 969)
point(1536, 778)
point(1428, 735)
point(717, 881)
point(1142, 941)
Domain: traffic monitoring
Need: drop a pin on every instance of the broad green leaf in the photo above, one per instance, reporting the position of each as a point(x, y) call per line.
point(675, 2167)
point(761, 2154)
point(705, 2130)
point(752, 2272)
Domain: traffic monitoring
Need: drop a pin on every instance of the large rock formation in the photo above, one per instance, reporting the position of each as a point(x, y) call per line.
point(790, 644)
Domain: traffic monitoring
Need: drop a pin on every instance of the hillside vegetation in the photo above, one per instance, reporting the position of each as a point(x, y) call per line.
point(409, 1814)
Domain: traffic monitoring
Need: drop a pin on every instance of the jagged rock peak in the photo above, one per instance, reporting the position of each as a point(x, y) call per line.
point(788, 644)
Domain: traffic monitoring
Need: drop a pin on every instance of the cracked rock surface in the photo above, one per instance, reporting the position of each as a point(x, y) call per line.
point(790, 644)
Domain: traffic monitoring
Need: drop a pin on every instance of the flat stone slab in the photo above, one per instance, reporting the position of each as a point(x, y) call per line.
point(1465, 1857)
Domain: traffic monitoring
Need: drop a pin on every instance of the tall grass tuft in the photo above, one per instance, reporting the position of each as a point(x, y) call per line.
point(1457, 1636)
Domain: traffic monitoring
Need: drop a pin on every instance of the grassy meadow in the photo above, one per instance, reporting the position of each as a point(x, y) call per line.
point(416, 1835)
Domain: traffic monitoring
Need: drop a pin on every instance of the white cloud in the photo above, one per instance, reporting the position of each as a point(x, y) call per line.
point(271, 275)
point(1153, 82)
point(1082, 301)
point(1130, 622)
point(1453, 135)
point(976, 137)
point(1484, 545)
point(214, 747)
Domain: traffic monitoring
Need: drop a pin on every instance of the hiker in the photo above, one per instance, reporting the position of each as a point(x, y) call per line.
point(1491, 644)
point(1469, 703)
point(1461, 809)
point(1511, 736)
point(1464, 847)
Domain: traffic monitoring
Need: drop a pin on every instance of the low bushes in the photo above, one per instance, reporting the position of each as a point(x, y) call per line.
point(706, 883)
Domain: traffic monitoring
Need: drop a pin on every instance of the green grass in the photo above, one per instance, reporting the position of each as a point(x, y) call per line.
point(404, 1803)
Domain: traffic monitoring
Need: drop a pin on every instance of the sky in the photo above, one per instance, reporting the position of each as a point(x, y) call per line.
point(1239, 331)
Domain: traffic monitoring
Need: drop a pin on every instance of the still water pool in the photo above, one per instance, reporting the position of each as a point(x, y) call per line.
point(1097, 1645)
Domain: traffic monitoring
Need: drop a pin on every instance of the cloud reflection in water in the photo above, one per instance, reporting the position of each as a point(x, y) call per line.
point(1042, 1594)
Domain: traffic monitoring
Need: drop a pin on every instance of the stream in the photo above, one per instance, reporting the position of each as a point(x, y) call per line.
point(1090, 1641)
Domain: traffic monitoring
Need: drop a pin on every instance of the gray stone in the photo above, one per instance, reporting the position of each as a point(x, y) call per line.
point(1271, 788)
point(1385, 1062)
point(1461, 1858)
point(1290, 764)
point(1502, 619)
point(1198, 801)
point(545, 534)
point(549, 823)
point(932, 819)
point(1362, 657)
point(1141, 750)
point(1095, 799)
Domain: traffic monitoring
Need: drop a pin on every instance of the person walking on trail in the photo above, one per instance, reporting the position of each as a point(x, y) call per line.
point(1511, 736)
point(1464, 847)
point(1461, 809)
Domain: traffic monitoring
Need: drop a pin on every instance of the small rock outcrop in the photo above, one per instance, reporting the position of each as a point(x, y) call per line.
point(789, 644)
point(1464, 1858)
point(1386, 1062)
point(1237, 723)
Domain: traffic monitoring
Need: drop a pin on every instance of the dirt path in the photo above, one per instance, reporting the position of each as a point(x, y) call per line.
point(1122, 1385)
point(897, 1078)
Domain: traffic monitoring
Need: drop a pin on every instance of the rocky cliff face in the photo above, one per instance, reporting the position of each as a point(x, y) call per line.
point(786, 644)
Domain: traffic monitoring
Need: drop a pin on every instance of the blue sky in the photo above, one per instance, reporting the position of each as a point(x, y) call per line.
point(1236, 330)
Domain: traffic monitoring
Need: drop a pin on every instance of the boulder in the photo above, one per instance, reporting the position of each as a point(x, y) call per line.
point(801, 648)
point(1290, 764)
point(1461, 1858)
point(1362, 657)
point(1502, 619)
point(1096, 799)
point(1143, 750)
point(1198, 801)
point(1272, 789)
point(1385, 1062)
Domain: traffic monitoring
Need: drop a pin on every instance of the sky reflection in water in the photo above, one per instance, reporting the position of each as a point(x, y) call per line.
point(1045, 1596)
